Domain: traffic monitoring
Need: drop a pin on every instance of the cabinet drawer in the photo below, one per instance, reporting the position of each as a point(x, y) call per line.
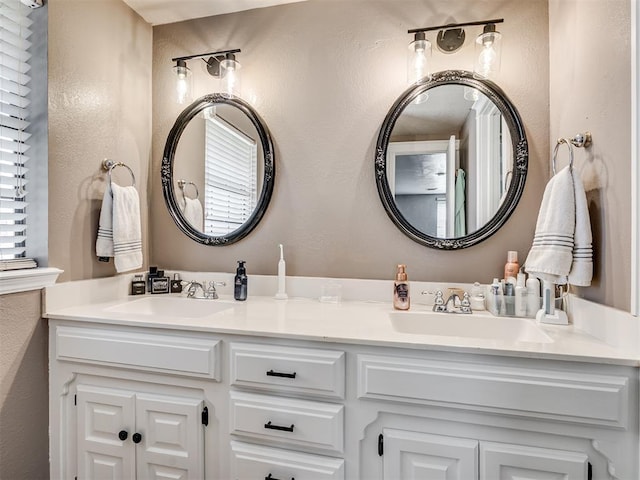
point(549, 394)
point(287, 420)
point(288, 369)
point(258, 462)
point(176, 355)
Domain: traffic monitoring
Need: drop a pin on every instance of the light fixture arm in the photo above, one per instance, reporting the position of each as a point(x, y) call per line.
point(456, 25)
point(210, 54)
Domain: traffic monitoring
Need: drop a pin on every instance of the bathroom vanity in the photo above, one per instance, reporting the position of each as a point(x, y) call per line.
point(169, 387)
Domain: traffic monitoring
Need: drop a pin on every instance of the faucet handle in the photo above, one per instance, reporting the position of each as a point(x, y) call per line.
point(438, 303)
point(465, 304)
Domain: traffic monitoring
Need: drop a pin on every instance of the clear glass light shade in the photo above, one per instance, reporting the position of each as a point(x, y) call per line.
point(230, 76)
point(488, 50)
point(418, 61)
point(184, 83)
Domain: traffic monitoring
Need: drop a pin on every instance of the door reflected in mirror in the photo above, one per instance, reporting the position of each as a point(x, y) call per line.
point(449, 161)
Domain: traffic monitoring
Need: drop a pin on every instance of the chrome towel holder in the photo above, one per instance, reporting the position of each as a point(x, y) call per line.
point(184, 184)
point(109, 165)
point(581, 140)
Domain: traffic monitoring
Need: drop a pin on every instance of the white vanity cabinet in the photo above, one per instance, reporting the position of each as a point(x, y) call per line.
point(127, 434)
point(130, 403)
point(220, 406)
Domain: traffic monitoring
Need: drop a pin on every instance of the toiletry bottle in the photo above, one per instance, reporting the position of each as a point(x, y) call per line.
point(401, 300)
point(509, 296)
point(521, 296)
point(533, 296)
point(138, 285)
point(511, 267)
point(477, 297)
point(495, 297)
point(240, 282)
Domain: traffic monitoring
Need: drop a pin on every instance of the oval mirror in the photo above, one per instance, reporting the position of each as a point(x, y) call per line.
point(451, 160)
point(218, 169)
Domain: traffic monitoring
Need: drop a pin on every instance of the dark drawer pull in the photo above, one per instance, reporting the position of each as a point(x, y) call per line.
point(269, 477)
point(271, 373)
point(279, 427)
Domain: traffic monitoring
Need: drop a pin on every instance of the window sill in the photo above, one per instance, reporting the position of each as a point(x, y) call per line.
point(15, 281)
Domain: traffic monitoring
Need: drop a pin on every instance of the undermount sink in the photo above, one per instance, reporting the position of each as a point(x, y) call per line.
point(469, 326)
point(171, 307)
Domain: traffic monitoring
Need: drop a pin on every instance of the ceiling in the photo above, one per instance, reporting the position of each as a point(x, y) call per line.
point(158, 12)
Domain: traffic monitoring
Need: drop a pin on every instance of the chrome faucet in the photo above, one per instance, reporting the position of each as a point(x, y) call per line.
point(449, 306)
point(208, 292)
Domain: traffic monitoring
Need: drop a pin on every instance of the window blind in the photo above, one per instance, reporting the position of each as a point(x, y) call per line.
point(14, 114)
point(230, 177)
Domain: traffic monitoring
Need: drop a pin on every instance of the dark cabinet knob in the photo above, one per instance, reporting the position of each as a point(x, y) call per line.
point(136, 437)
point(122, 435)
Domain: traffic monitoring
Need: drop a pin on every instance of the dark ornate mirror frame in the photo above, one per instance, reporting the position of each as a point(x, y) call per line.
point(520, 156)
point(167, 169)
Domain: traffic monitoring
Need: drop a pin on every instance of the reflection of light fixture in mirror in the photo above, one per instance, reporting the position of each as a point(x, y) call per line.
point(488, 47)
point(471, 94)
point(183, 82)
point(418, 59)
point(451, 37)
point(222, 65)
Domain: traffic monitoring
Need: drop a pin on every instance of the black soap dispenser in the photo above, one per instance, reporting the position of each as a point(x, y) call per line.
point(240, 283)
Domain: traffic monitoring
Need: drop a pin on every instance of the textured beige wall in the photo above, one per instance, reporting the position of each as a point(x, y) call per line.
point(590, 89)
point(24, 406)
point(323, 75)
point(99, 107)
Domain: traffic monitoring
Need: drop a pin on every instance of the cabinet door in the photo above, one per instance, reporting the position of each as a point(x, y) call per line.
point(414, 455)
point(102, 415)
point(516, 462)
point(172, 444)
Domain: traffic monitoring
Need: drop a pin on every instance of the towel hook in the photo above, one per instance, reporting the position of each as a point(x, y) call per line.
point(109, 165)
point(183, 184)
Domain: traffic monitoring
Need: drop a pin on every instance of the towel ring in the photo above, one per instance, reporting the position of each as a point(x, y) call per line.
point(555, 153)
point(109, 165)
point(183, 184)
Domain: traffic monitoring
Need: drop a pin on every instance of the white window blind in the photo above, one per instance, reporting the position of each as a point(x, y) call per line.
point(230, 177)
point(14, 113)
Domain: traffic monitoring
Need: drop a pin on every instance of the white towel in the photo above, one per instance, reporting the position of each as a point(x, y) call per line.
point(119, 232)
point(104, 243)
point(192, 210)
point(561, 250)
point(581, 271)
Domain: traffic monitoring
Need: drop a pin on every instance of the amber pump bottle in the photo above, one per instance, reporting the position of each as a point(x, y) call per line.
point(401, 300)
point(511, 268)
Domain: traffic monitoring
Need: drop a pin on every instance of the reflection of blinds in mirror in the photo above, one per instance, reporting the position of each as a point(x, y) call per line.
point(14, 111)
point(230, 177)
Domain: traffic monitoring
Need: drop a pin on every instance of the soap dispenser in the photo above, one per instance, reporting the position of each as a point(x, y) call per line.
point(401, 300)
point(240, 282)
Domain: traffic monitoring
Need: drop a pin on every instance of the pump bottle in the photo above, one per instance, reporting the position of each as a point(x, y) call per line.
point(240, 282)
point(401, 300)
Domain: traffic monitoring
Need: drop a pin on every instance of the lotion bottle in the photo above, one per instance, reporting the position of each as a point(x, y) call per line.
point(240, 282)
point(511, 267)
point(401, 300)
point(533, 296)
point(521, 296)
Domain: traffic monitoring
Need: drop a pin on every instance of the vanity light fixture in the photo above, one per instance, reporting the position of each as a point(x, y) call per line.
point(184, 82)
point(222, 65)
point(449, 40)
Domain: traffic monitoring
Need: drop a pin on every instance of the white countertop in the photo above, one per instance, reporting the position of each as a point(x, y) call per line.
point(350, 321)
